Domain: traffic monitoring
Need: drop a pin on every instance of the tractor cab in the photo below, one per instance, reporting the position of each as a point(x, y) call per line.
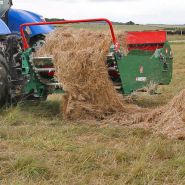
point(5, 6)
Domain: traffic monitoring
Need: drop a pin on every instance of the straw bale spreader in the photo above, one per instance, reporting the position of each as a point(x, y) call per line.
point(149, 60)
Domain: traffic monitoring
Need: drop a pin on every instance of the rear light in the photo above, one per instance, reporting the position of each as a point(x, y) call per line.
point(48, 73)
point(51, 74)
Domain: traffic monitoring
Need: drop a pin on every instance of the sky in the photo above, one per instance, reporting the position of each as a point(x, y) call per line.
point(139, 11)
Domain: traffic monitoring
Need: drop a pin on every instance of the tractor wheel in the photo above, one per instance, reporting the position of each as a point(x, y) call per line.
point(4, 84)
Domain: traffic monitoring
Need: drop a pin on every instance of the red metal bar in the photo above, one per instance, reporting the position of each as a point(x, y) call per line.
point(25, 42)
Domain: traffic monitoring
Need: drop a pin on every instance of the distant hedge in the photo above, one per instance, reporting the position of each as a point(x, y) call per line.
point(53, 19)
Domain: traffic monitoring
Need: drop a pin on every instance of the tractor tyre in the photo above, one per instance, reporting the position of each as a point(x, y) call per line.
point(4, 83)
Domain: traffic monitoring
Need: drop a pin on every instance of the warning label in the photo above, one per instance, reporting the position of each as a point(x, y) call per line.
point(141, 79)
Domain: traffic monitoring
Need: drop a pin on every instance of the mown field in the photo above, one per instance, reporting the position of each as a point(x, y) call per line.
point(37, 147)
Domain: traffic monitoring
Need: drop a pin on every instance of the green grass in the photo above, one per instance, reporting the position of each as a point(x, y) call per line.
point(48, 150)
point(38, 147)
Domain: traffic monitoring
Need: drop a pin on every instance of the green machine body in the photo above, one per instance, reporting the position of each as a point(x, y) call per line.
point(149, 61)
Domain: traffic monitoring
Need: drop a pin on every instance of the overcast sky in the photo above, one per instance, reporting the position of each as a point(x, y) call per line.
point(139, 11)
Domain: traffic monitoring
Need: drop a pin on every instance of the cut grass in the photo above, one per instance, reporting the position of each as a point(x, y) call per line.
point(69, 153)
point(38, 147)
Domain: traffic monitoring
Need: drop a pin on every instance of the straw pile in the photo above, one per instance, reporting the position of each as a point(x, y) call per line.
point(79, 58)
point(168, 120)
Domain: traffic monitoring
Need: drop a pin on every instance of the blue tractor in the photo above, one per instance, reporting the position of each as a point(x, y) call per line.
point(11, 80)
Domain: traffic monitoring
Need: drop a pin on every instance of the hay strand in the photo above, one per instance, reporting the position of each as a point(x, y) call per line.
point(79, 59)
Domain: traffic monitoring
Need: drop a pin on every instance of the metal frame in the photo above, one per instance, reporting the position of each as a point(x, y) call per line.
point(25, 42)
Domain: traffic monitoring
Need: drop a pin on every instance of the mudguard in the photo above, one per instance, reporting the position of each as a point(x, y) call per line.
point(17, 17)
point(4, 30)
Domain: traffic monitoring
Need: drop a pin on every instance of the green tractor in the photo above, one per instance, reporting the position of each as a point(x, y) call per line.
point(149, 59)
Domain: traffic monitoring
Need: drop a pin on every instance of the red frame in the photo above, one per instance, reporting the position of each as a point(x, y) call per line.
point(25, 42)
point(146, 40)
point(146, 37)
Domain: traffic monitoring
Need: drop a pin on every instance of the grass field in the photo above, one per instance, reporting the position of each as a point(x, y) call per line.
point(117, 27)
point(136, 27)
point(38, 148)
